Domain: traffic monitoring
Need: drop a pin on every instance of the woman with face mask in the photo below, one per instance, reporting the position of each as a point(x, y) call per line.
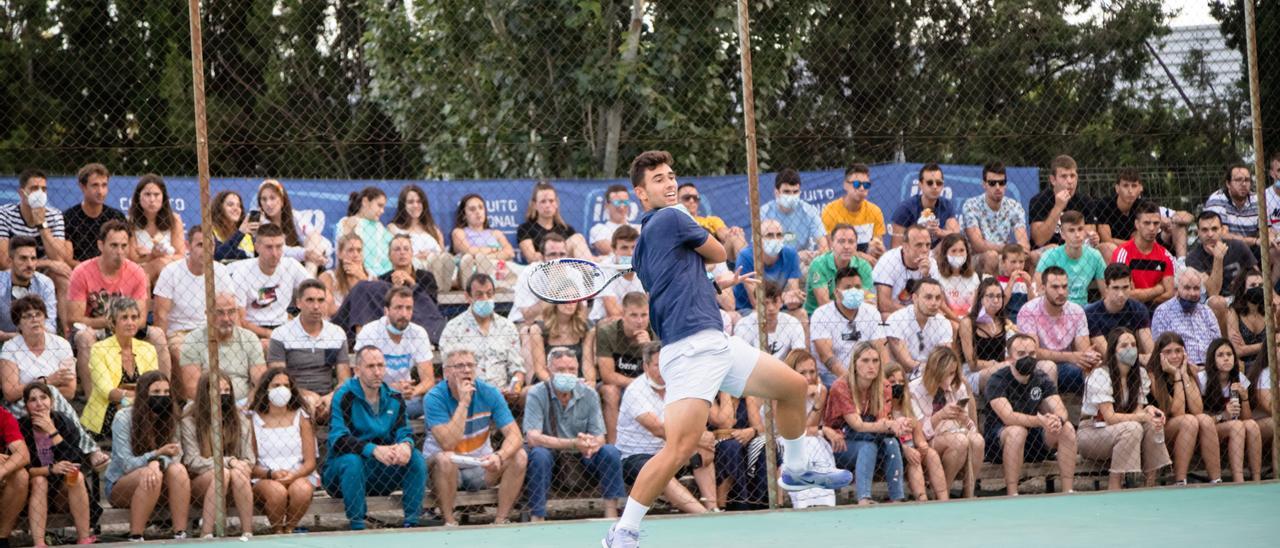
point(146, 458)
point(284, 442)
point(953, 267)
point(1246, 324)
point(237, 453)
point(918, 458)
point(1116, 423)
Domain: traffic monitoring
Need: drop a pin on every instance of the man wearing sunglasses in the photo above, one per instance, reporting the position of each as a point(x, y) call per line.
point(617, 211)
point(993, 219)
point(855, 210)
point(929, 208)
point(732, 237)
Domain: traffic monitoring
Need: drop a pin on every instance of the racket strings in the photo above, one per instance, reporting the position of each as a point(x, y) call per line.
point(565, 281)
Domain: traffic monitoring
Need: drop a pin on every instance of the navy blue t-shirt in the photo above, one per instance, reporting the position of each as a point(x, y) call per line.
point(1134, 316)
point(682, 300)
point(787, 267)
point(909, 210)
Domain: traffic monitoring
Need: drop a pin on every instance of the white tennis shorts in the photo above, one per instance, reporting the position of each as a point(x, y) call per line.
point(705, 363)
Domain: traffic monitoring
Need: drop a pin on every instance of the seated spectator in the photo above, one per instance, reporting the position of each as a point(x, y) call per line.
point(562, 420)
point(233, 230)
point(492, 339)
point(562, 325)
point(822, 271)
point(1226, 398)
point(618, 353)
point(898, 268)
point(239, 351)
point(1246, 323)
point(115, 365)
point(854, 209)
point(1083, 264)
point(838, 326)
point(543, 217)
point(302, 241)
point(34, 218)
point(1046, 208)
point(801, 222)
point(1116, 423)
point(1115, 217)
point(732, 237)
point(157, 230)
point(918, 458)
point(426, 293)
point(738, 427)
point(993, 219)
point(405, 346)
point(348, 271)
point(266, 285)
point(371, 444)
point(641, 435)
point(1062, 330)
point(53, 444)
point(84, 220)
point(22, 280)
point(1150, 265)
point(608, 304)
point(36, 354)
point(14, 478)
point(860, 404)
point(284, 442)
point(1177, 397)
point(524, 304)
point(820, 440)
point(1259, 393)
point(1117, 309)
point(146, 459)
point(480, 248)
point(927, 208)
point(413, 217)
point(1221, 260)
point(784, 333)
point(1237, 206)
point(312, 350)
point(179, 293)
point(1019, 287)
point(617, 210)
point(1187, 317)
point(364, 219)
point(983, 334)
point(1027, 422)
point(946, 412)
point(915, 331)
point(953, 267)
point(94, 455)
point(781, 266)
point(196, 433)
point(462, 413)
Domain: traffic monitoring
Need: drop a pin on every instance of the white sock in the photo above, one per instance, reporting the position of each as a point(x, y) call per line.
point(793, 456)
point(632, 514)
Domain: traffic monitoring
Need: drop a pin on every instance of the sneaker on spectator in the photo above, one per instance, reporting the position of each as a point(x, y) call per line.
point(822, 479)
point(619, 537)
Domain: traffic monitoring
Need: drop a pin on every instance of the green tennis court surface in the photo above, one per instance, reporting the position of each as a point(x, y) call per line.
point(1196, 516)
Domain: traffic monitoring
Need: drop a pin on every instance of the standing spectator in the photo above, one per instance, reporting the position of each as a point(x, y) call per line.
point(478, 246)
point(838, 326)
point(34, 218)
point(233, 230)
point(562, 418)
point(371, 444)
point(84, 220)
point(854, 209)
point(115, 365)
point(563, 325)
point(619, 355)
point(348, 272)
point(1083, 264)
point(1048, 206)
point(53, 441)
point(860, 403)
point(993, 219)
point(608, 304)
point(179, 293)
point(1246, 323)
point(784, 332)
point(801, 222)
point(239, 350)
point(265, 285)
point(1237, 206)
point(405, 347)
point(23, 280)
point(303, 242)
point(1117, 309)
point(284, 441)
point(492, 339)
point(1149, 263)
point(196, 433)
point(1116, 423)
point(781, 266)
point(732, 237)
point(1187, 317)
point(413, 217)
point(542, 218)
point(1027, 422)
point(364, 219)
point(1115, 217)
point(917, 456)
point(900, 266)
point(1221, 259)
point(983, 334)
point(426, 293)
point(1176, 394)
point(941, 401)
point(822, 271)
point(157, 230)
point(915, 331)
point(928, 208)
point(312, 350)
point(1062, 330)
point(1226, 398)
point(617, 210)
point(461, 415)
point(524, 304)
point(36, 354)
point(146, 459)
point(953, 267)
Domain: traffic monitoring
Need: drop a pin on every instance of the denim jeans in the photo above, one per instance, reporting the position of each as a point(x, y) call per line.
point(353, 477)
point(1070, 378)
point(606, 465)
point(864, 451)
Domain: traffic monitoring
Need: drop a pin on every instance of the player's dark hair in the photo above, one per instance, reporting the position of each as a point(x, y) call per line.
point(646, 161)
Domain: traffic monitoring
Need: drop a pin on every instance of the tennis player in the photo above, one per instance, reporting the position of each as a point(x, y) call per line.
point(698, 360)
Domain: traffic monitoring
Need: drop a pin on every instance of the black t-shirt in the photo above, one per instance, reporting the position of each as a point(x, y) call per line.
point(627, 356)
point(1121, 222)
point(1134, 316)
point(1238, 259)
point(531, 230)
point(82, 230)
point(1025, 398)
point(1042, 204)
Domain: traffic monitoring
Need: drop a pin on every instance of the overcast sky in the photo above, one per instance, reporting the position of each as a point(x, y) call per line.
point(1193, 12)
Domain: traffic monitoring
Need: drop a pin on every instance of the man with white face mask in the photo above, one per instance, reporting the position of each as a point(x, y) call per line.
point(781, 266)
point(837, 327)
point(34, 218)
point(801, 221)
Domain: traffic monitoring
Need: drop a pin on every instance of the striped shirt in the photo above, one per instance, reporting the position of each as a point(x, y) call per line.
point(1241, 221)
point(13, 225)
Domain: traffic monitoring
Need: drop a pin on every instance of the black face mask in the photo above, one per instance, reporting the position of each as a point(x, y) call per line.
point(897, 391)
point(1253, 296)
point(160, 405)
point(1025, 366)
point(228, 402)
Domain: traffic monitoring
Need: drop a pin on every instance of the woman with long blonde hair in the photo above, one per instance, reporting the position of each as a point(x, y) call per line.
point(542, 218)
point(948, 415)
point(859, 403)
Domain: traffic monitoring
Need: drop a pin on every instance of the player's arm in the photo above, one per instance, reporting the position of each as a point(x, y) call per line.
point(712, 251)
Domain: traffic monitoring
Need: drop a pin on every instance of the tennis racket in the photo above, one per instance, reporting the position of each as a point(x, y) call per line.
point(567, 281)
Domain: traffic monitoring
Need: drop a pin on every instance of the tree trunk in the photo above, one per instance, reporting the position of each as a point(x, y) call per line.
point(613, 118)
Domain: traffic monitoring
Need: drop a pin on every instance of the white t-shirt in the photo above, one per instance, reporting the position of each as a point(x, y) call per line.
point(958, 290)
point(828, 323)
point(633, 438)
point(604, 231)
point(891, 271)
point(186, 290)
point(523, 297)
point(902, 325)
point(266, 298)
point(1097, 390)
point(31, 366)
point(1264, 379)
point(1203, 379)
point(787, 335)
point(414, 348)
point(618, 289)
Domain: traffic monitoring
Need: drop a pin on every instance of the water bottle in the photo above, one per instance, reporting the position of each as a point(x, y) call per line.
point(1160, 434)
point(1235, 398)
point(501, 272)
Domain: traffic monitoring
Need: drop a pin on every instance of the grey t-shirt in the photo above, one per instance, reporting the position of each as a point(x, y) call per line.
point(311, 361)
point(582, 415)
point(235, 357)
point(1237, 260)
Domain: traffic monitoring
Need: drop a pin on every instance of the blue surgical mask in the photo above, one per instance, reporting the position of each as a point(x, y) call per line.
point(484, 309)
point(772, 247)
point(564, 382)
point(1188, 305)
point(392, 329)
point(623, 260)
point(789, 201)
point(852, 298)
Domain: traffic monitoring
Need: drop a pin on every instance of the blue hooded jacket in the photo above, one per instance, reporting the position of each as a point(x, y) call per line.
point(356, 428)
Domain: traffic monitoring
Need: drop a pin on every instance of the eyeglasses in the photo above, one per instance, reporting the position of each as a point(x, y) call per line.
point(32, 316)
point(861, 184)
point(620, 203)
point(691, 198)
point(461, 366)
point(932, 182)
point(560, 351)
point(772, 235)
point(1000, 182)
